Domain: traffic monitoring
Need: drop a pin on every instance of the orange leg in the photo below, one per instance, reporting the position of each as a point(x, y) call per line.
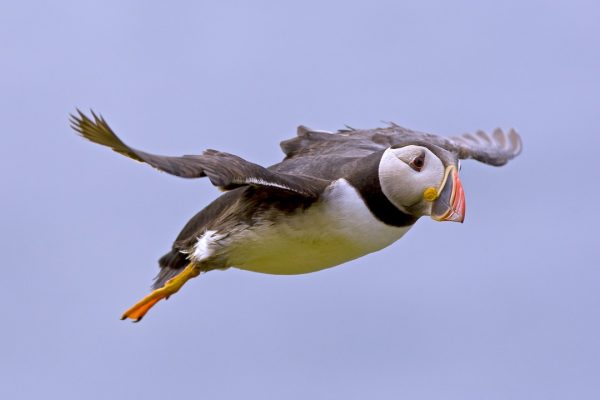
point(172, 286)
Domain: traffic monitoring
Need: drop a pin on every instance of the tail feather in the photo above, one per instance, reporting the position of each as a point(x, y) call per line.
point(171, 264)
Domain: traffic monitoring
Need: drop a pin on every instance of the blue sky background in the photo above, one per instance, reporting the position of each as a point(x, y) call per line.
point(504, 306)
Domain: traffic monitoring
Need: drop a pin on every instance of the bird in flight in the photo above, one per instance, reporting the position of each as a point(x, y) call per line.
point(336, 196)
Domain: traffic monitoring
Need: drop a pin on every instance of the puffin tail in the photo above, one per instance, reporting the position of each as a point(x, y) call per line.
point(171, 264)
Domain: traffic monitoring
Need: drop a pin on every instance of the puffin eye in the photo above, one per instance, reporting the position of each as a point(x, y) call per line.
point(418, 162)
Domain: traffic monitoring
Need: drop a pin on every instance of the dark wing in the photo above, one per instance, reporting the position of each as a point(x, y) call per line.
point(311, 150)
point(496, 149)
point(224, 170)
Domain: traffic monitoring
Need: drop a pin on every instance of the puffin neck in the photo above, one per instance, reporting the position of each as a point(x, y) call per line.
point(364, 176)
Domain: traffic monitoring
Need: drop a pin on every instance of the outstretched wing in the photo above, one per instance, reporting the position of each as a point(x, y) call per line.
point(224, 170)
point(496, 149)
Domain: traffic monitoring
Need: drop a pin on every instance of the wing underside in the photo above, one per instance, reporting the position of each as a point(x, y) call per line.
point(224, 170)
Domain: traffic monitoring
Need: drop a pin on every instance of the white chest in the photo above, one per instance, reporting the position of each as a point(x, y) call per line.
point(337, 229)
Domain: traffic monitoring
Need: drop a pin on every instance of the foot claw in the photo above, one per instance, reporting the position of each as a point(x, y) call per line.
point(137, 312)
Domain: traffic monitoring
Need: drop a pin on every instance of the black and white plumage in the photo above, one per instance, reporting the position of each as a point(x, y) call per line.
point(335, 197)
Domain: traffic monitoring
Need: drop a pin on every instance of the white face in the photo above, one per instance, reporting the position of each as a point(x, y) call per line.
point(406, 173)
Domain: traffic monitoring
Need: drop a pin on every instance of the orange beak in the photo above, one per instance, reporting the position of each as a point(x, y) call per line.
point(450, 204)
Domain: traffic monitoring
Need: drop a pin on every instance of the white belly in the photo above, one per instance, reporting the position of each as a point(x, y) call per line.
point(337, 229)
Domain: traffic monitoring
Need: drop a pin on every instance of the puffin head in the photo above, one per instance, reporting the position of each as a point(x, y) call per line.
point(423, 180)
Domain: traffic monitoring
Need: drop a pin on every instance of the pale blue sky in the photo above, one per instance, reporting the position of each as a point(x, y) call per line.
point(504, 306)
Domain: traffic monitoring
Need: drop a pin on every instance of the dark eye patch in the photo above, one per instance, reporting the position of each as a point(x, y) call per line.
point(418, 162)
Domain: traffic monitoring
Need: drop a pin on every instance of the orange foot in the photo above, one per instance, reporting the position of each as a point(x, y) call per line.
point(172, 286)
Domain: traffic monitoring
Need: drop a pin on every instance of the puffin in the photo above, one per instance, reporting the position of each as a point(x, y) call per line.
point(335, 197)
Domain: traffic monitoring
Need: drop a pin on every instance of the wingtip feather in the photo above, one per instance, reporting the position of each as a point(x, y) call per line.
point(516, 142)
